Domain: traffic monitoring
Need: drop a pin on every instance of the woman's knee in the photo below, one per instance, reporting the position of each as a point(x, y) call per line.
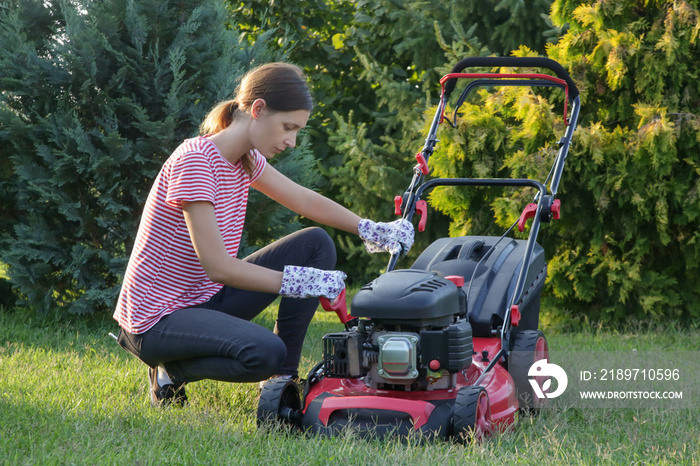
point(324, 247)
point(267, 358)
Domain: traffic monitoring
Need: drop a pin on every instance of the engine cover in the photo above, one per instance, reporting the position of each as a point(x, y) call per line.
point(414, 297)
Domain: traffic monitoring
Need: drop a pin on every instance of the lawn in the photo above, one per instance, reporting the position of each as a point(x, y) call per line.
point(70, 395)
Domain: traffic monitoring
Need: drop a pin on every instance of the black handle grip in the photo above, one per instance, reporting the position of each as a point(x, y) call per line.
point(529, 62)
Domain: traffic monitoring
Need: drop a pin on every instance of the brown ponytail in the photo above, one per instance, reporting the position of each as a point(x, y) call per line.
point(219, 117)
point(282, 86)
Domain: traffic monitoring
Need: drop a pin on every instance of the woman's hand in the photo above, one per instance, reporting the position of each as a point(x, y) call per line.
point(307, 282)
point(395, 237)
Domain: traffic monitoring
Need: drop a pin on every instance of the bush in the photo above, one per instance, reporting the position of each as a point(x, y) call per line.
point(628, 243)
point(633, 247)
point(95, 96)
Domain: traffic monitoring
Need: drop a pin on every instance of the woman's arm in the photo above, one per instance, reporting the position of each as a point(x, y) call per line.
point(394, 237)
point(305, 202)
point(219, 266)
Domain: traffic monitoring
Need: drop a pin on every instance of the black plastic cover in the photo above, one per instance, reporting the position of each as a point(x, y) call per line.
point(490, 267)
point(413, 295)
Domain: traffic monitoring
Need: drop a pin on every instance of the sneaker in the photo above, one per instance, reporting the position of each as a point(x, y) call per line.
point(169, 394)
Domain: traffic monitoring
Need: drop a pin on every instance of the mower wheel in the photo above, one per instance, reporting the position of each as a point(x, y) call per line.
point(472, 414)
point(529, 346)
point(279, 403)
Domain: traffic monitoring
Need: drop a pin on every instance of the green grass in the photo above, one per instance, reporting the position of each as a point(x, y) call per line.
point(70, 395)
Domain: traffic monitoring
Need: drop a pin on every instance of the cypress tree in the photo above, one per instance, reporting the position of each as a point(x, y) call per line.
point(632, 248)
point(95, 96)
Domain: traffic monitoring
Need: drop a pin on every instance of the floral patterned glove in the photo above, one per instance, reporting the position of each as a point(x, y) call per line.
point(307, 282)
point(394, 237)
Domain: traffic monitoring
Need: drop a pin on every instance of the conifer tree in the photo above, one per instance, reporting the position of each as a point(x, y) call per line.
point(632, 243)
point(628, 243)
point(95, 96)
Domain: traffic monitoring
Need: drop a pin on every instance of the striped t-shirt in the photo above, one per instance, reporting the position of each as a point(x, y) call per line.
point(164, 273)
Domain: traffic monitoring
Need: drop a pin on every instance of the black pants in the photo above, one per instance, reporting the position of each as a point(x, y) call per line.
point(216, 340)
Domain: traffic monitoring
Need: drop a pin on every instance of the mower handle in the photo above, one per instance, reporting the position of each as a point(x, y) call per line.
point(527, 62)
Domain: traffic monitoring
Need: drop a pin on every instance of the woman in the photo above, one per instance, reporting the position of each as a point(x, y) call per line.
point(187, 301)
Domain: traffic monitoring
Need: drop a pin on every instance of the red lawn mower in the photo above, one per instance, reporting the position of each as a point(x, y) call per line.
point(444, 348)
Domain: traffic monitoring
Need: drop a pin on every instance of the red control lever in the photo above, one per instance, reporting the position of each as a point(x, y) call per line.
point(528, 212)
point(556, 209)
point(422, 210)
point(422, 163)
point(514, 315)
point(397, 205)
point(531, 210)
point(339, 306)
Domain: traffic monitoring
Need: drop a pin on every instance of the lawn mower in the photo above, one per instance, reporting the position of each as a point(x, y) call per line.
point(445, 347)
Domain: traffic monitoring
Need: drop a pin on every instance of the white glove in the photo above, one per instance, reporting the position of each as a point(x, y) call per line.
point(307, 282)
point(394, 237)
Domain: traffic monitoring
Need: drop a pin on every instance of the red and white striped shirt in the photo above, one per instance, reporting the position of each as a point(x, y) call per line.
point(164, 273)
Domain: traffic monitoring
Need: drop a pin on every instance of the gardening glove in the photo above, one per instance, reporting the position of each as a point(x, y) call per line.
point(307, 282)
point(394, 237)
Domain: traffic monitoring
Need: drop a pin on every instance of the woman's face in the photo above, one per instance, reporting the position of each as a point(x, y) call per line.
point(273, 132)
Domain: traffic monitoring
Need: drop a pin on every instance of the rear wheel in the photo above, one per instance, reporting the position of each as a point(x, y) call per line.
point(529, 346)
point(279, 403)
point(472, 414)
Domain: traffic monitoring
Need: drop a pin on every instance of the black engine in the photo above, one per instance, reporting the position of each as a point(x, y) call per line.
point(416, 336)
